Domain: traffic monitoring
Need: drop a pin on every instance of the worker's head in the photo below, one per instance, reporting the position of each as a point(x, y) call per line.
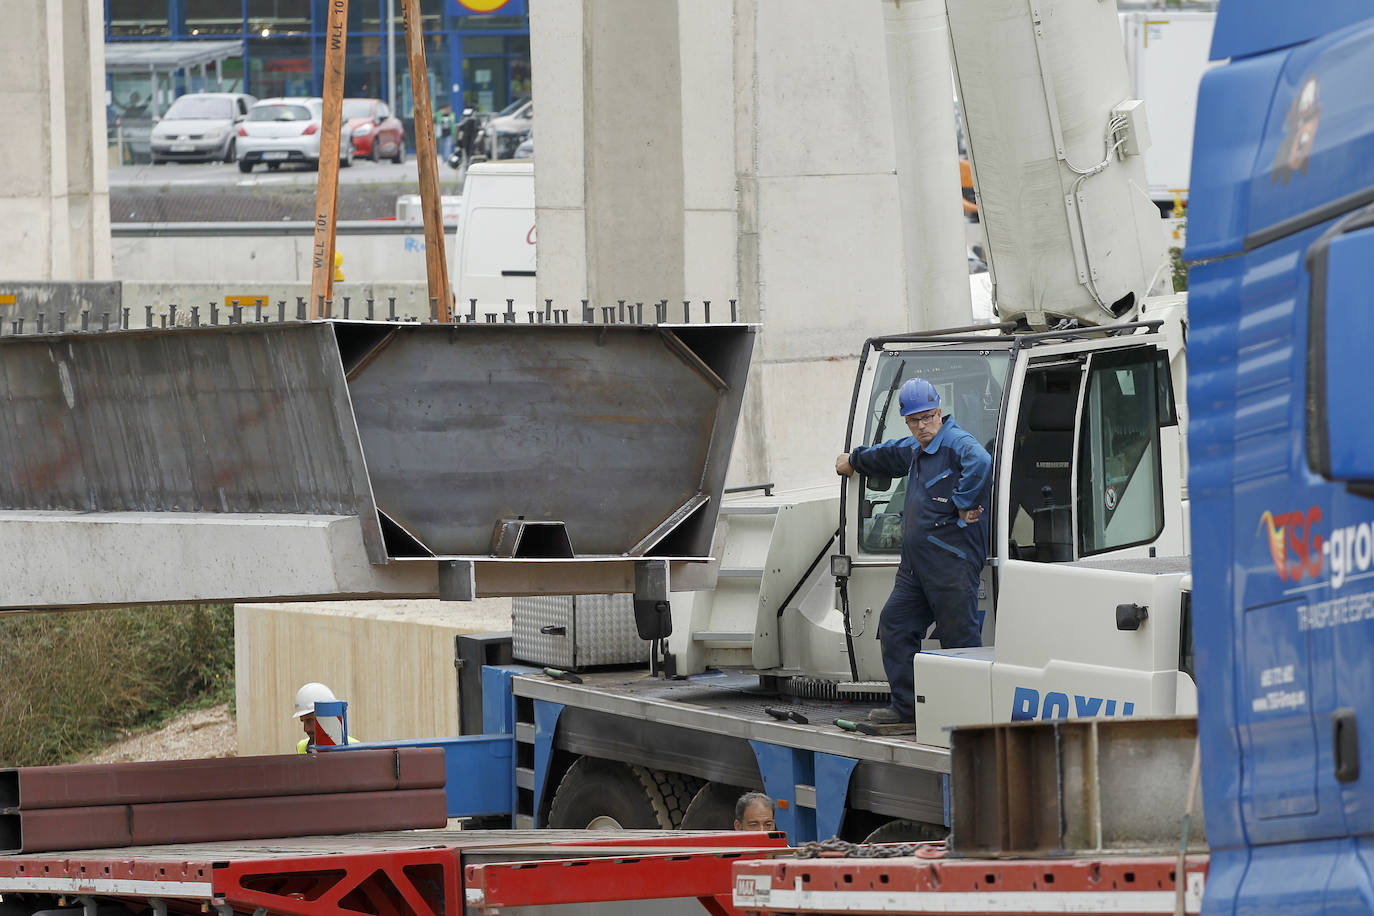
point(306, 698)
point(920, 406)
point(754, 811)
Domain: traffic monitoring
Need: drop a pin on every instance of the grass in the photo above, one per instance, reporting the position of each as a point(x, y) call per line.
point(72, 682)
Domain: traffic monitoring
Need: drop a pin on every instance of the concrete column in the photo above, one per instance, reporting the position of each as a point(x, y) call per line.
point(556, 51)
point(54, 189)
point(934, 254)
point(819, 228)
point(632, 121)
point(729, 149)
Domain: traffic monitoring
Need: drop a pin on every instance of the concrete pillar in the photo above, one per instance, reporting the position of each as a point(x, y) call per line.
point(54, 189)
point(632, 119)
point(729, 149)
point(934, 253)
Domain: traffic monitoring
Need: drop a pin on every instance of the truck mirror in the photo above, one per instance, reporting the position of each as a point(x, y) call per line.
point(1340, 438)
point(878, 484)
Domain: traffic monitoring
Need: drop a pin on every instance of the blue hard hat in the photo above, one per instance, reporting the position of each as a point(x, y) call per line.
point(917, 395)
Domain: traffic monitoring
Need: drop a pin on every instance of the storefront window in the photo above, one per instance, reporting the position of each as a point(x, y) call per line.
point(278, 17)
point(211, 17)
point(136, 18)
point(496, 71)
point(363, 68)
point(280, 67)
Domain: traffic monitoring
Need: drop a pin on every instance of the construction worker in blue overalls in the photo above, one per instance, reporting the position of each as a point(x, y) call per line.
point(944, 537)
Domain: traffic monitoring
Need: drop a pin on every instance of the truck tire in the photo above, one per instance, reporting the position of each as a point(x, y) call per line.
point(904, 831)
point(609, 795)
point(713, 807)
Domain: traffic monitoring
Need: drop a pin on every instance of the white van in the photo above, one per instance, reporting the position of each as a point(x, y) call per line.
point(494, 258)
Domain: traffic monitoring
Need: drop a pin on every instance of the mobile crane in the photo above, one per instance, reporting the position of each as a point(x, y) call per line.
point(1084, 597)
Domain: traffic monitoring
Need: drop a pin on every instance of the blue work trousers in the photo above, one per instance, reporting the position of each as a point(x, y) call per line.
point(937, 590)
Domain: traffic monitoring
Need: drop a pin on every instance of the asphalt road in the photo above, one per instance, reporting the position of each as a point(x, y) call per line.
point(225, 175)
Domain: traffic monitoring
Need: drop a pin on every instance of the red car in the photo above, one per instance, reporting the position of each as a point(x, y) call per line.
point(376, 132)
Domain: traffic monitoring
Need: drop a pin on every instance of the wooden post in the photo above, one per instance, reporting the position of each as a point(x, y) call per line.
point(426, 155)
point(327, 187)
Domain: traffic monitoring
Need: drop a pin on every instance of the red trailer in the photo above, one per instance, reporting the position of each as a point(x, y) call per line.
point(420, 872)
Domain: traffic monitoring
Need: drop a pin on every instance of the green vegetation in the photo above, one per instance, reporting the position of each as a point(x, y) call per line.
point(70, 682)
point(1180, 269)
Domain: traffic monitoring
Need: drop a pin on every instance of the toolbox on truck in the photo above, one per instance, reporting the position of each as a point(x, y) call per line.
point(576, 631)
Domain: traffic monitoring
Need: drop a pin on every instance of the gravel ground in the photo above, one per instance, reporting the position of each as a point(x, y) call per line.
point(203, 733)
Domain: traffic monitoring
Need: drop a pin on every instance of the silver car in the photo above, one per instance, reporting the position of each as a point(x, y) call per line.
point(286, 130)
point(200, 126)
point(510, 126)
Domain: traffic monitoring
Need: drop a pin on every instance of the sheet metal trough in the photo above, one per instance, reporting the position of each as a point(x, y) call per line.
point(418, 438)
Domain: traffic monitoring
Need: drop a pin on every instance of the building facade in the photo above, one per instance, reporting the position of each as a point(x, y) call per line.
point(477, 51)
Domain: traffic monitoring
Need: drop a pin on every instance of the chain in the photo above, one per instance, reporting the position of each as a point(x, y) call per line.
point(838, 848)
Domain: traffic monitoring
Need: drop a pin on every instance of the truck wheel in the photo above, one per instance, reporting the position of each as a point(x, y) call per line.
point(904, 831)
point(608, 795)
point(713, 807)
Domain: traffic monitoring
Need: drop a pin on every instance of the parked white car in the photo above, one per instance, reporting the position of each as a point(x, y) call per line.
point(199, 125)
point(286, 130)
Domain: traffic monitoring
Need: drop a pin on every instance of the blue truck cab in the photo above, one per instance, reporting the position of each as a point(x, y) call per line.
point(1281, 442)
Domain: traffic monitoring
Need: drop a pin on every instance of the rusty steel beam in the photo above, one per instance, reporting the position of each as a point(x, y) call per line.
point(86, 785)
point(112, 826)
point(1072, 786)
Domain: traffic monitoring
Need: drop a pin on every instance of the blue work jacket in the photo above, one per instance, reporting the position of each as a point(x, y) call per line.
point(953, 472)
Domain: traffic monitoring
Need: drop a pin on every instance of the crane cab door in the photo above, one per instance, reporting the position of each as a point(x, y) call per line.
point(1093, 466)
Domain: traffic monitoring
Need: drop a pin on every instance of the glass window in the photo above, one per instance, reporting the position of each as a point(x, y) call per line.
point(1040, 502)
point(138, 17)
point(279, 17)
point(198, 106)
point(280, 113)
point(279, 67)
point(212, 17)
point(363, 16)
point(1120, 483)
point(356, 108)
point(970, 386)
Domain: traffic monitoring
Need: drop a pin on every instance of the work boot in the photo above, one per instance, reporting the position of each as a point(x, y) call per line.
point(887, 716)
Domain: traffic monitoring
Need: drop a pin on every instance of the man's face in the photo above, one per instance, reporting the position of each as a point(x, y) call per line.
point(924, 425)
point(757, 816)
point(308, 723)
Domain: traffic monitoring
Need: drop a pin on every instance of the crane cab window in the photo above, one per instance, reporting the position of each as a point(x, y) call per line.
point(970, 386)
point(1086, 475)
point(1041, 499)
point(1120, 480)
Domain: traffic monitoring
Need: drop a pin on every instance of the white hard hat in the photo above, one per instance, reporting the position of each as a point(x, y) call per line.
point(309, 695)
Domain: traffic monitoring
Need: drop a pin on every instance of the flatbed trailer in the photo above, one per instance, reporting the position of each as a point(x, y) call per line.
point(421, 872)
point(933, 882)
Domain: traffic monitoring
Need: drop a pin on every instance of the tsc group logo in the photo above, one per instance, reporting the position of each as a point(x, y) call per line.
point(1300, 552)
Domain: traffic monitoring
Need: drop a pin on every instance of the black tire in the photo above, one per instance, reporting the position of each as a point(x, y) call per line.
point(374, 152)
point(229, 153)
point(400, 155)
point(904, 831)
point(610, 795)
point(713, 807)
point(245, 166)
